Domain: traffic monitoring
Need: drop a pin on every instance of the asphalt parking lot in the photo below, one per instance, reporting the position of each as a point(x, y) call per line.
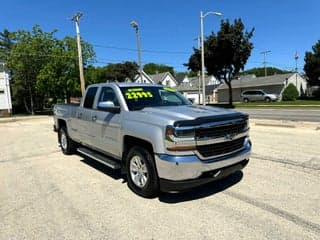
point(47, 195)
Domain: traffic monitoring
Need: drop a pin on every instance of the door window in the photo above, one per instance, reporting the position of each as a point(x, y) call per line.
point(108, 94)
point(88, 101)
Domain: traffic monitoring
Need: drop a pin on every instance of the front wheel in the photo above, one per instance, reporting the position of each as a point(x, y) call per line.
point(68, 146)
point(141, 173)
point(267, 99)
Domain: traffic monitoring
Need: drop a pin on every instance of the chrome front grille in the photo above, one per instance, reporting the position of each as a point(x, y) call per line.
point(222, 148)
point(221, 130)
point(222, 138)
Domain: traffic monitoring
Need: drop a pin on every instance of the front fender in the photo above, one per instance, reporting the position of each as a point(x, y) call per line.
point(151, 133)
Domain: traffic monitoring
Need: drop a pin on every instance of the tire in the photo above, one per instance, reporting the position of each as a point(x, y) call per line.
point(246, 100)
point(68, 146)
point(267, 99)
point(141, 173)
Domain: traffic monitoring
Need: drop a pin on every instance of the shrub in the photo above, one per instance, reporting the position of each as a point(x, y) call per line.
point(290, 93)
point(316, 94)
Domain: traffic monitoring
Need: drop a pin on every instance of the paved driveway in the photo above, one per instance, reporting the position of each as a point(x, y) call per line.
point(47, 195)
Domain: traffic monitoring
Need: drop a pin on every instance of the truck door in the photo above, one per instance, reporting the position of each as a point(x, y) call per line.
point(83, 117)
point(106, 125)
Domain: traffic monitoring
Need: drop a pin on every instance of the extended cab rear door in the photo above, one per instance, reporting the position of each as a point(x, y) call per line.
point(83, 119)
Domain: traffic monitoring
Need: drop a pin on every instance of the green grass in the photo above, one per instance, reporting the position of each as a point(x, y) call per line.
point(284, 104)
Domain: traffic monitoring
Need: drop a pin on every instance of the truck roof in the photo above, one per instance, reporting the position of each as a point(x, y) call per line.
point(126, 84)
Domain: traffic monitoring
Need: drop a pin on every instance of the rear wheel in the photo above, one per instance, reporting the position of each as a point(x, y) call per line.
point(68, 146)
point(141, 172)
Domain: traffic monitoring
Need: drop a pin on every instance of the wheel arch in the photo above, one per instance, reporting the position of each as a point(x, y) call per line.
point(130, 141)
point(61, 123)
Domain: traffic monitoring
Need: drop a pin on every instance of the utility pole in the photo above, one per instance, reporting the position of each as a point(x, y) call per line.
point(135, 25)
point(202, 16)
point(264, 60)
point(199, 72)
point(76, 19)
point(296, 57)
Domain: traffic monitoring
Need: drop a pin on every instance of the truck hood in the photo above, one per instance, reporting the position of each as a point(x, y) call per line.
point(186, 112)
point(169, 115)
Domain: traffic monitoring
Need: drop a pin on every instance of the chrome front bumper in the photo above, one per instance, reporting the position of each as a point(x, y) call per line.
point(179, 168)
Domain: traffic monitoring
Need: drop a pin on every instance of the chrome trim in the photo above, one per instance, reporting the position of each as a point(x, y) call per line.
point(172, 141)
point(209, 141)
point(178, 168)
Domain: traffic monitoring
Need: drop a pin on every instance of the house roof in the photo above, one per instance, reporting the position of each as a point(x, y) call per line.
point(250, 81)
point(193, 83)
point(158, 78)
point(179, 78)
point(137, 77)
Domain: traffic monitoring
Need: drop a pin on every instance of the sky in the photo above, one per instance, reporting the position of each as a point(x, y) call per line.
point(168, 28)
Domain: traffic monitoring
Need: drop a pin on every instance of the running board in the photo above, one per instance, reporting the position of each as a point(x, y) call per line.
point(99, 157)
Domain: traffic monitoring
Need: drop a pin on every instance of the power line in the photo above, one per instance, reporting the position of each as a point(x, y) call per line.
point(144, 50)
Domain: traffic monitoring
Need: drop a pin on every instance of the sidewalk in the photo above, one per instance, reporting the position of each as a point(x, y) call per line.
point(23, 118)
point(285, 123)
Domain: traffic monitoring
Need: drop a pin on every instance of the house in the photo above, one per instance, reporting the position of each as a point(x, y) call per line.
point(270, 84)
point(165, 78)
point(143, 78)
point(5, 96)
point(191, 87)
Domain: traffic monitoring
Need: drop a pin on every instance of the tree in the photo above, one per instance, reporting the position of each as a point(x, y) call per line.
point(6, 43)
point(154, 68)
point(45, 67)
point(121, 71)
point(226, 52)
point(26, 59)
point(59, 77)
point(95, 74)
point(260, 72)
point(312, 64)
point(290, 93)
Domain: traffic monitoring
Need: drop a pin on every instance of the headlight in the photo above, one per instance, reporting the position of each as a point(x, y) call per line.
point(180, 139)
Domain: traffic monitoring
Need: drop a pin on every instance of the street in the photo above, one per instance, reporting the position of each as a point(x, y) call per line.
point(47, 195)
point(311, 115)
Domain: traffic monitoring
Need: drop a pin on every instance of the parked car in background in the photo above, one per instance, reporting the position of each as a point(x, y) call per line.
point(257, 95)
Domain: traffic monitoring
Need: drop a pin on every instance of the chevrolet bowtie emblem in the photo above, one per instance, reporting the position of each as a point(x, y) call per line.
point(229, 137)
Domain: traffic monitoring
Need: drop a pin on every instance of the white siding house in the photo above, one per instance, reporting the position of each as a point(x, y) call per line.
point(5, 96)
point(144, 79)
point(165, 79)
point(191, 87)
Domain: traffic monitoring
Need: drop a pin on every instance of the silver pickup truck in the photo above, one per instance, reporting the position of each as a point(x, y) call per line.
point(158, 139)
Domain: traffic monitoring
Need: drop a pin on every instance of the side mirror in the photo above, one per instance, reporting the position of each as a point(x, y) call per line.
point(108, 106)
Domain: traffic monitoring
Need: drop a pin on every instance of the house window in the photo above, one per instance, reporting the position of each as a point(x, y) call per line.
point(1, 91)
point(168, 82)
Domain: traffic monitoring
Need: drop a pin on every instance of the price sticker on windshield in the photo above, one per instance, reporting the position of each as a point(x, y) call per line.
point(136, 93)
point(169, 89)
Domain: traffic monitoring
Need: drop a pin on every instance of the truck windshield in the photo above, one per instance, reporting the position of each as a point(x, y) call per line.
point(138, 98)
